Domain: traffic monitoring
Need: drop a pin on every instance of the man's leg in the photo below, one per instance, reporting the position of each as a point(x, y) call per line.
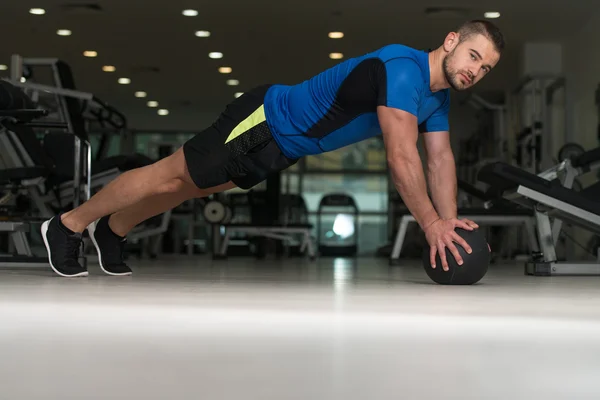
point(109, 232)
point(166, 176)
point(63, 234)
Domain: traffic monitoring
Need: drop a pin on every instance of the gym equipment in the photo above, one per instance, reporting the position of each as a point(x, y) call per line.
point(17, 179)
point(342, 239)
point(548, 199)
point(570, 150)
point(566, 173)
point(292, 228)
point(217, 212)
point(66, 153)
point(474, 267)
point(214, 212)
point(532, 106)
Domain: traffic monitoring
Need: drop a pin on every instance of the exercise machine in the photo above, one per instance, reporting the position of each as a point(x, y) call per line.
point(291, 228)
point(548, 199)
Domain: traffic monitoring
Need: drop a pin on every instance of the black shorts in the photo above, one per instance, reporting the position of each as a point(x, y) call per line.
point(238, 147)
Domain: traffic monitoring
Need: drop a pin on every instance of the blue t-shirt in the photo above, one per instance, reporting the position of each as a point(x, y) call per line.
point(338, 107)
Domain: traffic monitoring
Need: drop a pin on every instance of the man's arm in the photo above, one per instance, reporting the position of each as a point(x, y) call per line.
point(400, 134)
point(441, 173)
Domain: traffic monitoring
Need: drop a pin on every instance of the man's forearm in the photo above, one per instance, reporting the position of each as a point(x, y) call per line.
point(441, 175)
point(409, 179)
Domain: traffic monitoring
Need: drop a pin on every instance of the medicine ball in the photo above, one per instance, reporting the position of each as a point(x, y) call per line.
point(474, 267)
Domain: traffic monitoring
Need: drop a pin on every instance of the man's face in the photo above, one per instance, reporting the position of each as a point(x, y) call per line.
point(469, 62)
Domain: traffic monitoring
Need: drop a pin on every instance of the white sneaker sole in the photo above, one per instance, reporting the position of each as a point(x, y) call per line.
point(92, 231)
point(45, 237)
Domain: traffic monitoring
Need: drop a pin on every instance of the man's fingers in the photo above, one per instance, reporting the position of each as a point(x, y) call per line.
point(432, 252)
point(462, 224)
point(442, 253)
point(450, 246)
point(470, 223)
point(462, 242)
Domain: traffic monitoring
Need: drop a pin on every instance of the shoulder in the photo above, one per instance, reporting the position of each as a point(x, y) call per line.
point(403, 64)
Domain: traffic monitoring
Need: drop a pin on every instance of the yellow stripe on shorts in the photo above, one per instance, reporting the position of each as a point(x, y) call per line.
point(253, 119)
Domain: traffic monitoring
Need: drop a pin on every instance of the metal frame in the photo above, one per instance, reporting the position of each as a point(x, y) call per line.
point(491, 219)
point(282, 233)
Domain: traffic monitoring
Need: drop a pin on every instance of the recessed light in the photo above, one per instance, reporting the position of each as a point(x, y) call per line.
point(141, 95)
point(109, 68)
point(37, 11)
point(336, 35)
point(336, 56)
point(238, 94)
point(202, 33)
point(233, 82)
point(492, 14)
point(225, 70)
point(64, 32)
point(190, 13)
point(124, 81)
point(153, 104)
point(3, 67)
point(90, 53)
point(163, 112)
point(23, 80)
point(215, 54)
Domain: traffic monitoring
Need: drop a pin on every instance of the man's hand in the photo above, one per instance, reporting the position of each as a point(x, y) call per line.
point(441, 234)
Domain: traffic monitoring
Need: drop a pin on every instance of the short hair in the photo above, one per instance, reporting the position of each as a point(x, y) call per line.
point(485, 28)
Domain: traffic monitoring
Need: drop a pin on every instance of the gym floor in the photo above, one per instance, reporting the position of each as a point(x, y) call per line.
point(191, 328)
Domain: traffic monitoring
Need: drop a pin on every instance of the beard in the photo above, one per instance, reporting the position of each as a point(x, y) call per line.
point(451, 74)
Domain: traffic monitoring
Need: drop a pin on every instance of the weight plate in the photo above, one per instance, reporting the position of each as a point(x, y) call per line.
point(214, 212)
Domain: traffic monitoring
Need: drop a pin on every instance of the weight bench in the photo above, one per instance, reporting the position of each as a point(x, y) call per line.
point(481, 217)
point(280, 232)
point(548, 199)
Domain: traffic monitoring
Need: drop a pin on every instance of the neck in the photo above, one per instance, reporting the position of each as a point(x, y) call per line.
point(437, 79)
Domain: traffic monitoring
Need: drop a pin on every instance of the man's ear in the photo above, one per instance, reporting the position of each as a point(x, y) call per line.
point(451, 41)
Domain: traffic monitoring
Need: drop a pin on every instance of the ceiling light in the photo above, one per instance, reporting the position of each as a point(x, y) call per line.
point(63, 32)
point(124, 81)
point(90, 53)
point(225, 70)
point(153, 104)
point(492, 14)
point(202, 33)
point(215, 54)
point(190, 13)
point(3, 67)
point(37, 11)
point(141, 95)
point(163, 112)
point(238, 94)
point(109, 68)
point(336, 56)
point(233, 82)
point(23, 79)
point(336, 35)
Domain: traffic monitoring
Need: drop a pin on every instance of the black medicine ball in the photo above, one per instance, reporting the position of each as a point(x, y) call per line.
point(475, 265)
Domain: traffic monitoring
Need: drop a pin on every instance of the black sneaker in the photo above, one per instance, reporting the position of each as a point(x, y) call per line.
point(110, 248)
point(63, 248)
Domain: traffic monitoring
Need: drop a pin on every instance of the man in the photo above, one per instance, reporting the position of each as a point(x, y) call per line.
point(395, 91)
